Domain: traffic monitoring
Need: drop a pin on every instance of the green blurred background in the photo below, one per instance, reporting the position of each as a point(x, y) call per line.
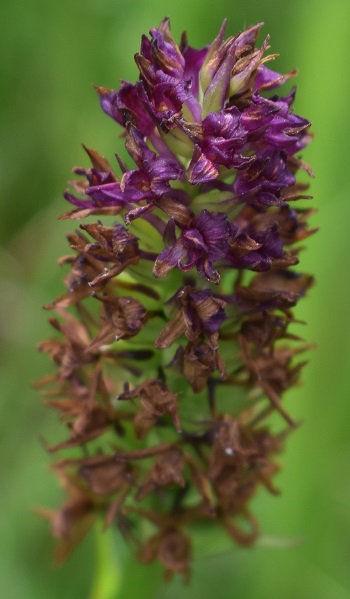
point(51, 53)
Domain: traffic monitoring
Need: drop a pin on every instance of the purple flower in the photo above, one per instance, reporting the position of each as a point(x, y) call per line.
point(126, 105)
point(219, 142)
point(255, 250)
point(169, 78)
point(149, 182)
point(203, 242)
point(189, 369)
point(201, 313)
point(264, 181)
point(169, 75)
point(270, 121)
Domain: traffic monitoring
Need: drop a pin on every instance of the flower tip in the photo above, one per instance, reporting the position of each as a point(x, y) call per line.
point(176, 422)
point(222, 30)
point(160, 269)
point(165, 21)
point(102, 91)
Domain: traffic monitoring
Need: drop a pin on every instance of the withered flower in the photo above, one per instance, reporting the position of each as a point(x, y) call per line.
point(156, 401)
point(201, 312)
point(185, 297)
point(172, 547)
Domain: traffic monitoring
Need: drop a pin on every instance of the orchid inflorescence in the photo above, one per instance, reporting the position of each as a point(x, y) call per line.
point(179, 345)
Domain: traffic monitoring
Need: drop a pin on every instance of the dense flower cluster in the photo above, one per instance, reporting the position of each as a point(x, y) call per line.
point(174, 340)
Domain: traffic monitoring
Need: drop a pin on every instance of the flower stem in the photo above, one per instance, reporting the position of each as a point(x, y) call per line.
point(108, 576)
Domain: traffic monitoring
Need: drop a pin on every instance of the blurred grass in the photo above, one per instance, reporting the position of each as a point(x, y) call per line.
point(51, 54)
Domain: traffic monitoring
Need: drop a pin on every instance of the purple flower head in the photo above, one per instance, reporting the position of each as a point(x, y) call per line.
point(182, 375)
point(205, 105)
